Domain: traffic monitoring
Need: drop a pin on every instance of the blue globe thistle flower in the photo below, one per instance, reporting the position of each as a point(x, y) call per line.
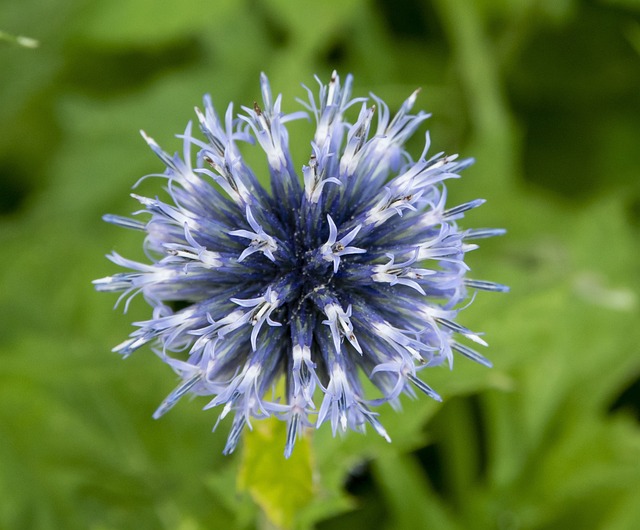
point(354, 269)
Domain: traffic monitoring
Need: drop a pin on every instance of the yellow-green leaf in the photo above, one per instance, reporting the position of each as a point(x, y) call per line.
point(280, 486)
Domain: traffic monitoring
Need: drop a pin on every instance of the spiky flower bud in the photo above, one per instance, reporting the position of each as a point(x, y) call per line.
point(351, 268)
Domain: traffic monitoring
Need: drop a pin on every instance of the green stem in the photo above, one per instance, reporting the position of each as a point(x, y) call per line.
point(20, 40)
point(478, 68)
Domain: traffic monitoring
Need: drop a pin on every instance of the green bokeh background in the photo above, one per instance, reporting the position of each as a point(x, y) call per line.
point(545, 94)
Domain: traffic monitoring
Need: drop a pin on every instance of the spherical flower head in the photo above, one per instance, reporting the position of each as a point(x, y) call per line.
point(351, 268)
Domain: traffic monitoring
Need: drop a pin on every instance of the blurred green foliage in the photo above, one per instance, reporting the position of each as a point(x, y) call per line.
point(545, 94)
